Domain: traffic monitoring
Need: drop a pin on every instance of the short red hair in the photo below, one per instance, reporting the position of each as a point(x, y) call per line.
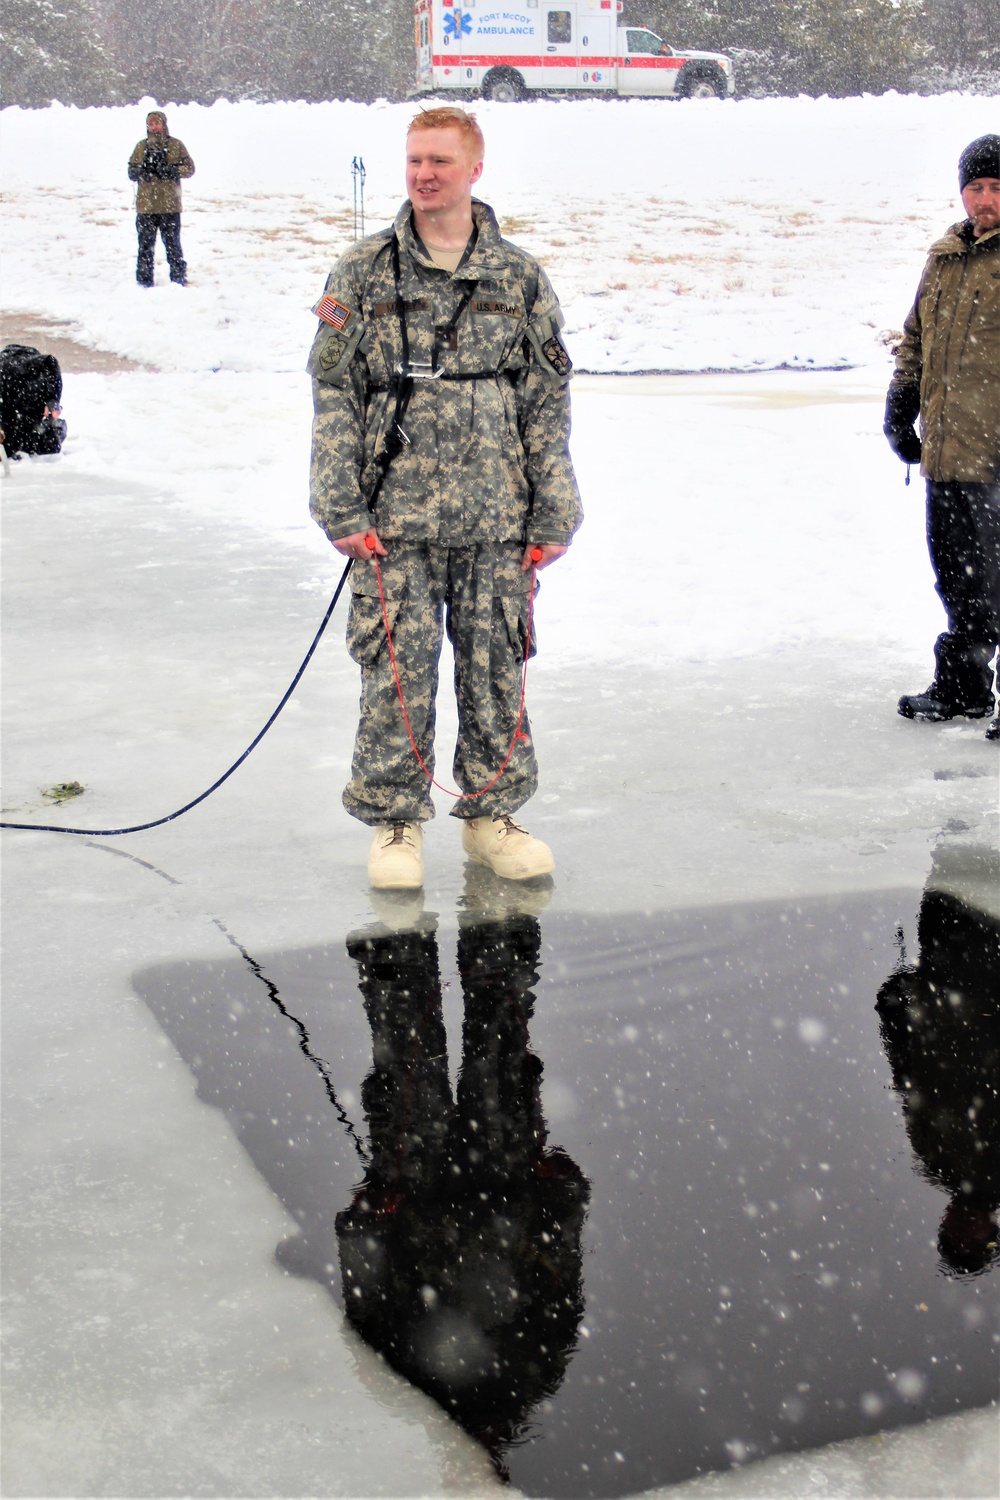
point(447, 117)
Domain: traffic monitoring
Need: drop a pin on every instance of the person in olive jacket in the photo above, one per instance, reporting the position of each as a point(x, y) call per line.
point(948, 374)
point(158, 164)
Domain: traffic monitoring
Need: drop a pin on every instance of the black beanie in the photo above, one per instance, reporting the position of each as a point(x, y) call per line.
point(980, 159)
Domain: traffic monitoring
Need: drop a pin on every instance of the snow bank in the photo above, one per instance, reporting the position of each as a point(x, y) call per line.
point(690, 235)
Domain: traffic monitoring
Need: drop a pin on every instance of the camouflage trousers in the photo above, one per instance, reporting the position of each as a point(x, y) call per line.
point(480, 595)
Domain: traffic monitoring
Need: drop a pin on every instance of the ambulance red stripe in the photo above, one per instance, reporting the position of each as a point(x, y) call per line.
point(525, 60)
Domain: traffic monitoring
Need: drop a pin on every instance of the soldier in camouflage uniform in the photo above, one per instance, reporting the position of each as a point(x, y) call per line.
point(480, 476)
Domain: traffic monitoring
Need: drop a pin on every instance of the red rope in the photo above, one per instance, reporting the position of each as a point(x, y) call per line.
point(461, 796)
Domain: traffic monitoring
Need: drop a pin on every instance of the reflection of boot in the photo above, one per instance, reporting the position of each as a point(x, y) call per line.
point(400, 911)
point(395, 912)
point(487, 898)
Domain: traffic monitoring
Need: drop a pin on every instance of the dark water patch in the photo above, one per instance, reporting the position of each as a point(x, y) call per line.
point(742, 1210)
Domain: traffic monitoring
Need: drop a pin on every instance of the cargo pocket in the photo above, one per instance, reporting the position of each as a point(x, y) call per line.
point(366, 627)
point(515, 614)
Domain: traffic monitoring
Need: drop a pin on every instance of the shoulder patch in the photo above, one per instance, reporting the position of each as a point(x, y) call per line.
point(332, 351)
point(333, 312)
point(555, 352)
point(549, 350)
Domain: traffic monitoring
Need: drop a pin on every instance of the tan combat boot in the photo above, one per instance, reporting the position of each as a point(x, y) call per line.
point(395, 861)
point(486, 898)
point(506, 848)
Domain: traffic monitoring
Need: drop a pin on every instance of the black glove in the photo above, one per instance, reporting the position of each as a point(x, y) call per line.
point(905, 443)
point(902, 407)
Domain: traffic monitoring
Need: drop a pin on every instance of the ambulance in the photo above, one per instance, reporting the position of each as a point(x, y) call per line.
point(521, 47)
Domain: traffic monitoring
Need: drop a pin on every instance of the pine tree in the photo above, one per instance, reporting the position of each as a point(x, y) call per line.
point(190, 50)
point(330, 49)
point(864, 46)
point(963, 40)
point(203, 50)
point(800, 46)
point(50, 50)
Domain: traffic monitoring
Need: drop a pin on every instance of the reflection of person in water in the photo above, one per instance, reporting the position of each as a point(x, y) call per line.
point(940, 1024)
point(460, 1254)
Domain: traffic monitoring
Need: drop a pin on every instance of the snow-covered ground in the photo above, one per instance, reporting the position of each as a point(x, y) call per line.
point(695, 236)
point(680, 236)
point(714, 697)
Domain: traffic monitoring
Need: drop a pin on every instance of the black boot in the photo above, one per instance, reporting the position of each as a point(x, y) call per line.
point(993, 732)
point(962, 686)
point(933, 708)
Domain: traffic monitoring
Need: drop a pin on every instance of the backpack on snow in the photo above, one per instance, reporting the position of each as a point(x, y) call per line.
point(30, 392)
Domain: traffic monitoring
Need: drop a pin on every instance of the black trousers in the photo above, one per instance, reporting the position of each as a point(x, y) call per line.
point(963, 536)
point(169, 228)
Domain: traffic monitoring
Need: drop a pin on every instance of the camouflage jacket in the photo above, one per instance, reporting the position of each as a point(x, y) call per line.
point(162, 195)
point(951, 353)
point(487, 459)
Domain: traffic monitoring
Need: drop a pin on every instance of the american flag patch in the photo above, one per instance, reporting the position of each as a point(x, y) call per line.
point(332, 312)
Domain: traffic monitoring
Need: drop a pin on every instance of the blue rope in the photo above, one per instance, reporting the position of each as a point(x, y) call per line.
point(108, 833)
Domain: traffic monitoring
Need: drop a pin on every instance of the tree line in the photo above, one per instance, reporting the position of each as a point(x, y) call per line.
point(839, 47)
point(116, 51)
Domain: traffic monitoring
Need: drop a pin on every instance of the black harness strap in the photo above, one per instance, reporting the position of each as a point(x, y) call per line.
point(443, 336)
point(401, 384)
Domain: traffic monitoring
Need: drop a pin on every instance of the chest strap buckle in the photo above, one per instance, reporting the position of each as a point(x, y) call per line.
point(418, 370)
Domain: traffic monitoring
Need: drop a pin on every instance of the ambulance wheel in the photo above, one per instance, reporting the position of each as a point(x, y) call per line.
point(701, 85)
point(504, 85)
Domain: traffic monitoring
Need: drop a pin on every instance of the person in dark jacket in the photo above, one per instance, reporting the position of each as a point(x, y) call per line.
point(948, 373)
point(158, 164)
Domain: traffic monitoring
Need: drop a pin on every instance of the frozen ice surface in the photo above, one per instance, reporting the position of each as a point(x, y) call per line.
point(956, 1456)
point(713, 703)
point(145, 642)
